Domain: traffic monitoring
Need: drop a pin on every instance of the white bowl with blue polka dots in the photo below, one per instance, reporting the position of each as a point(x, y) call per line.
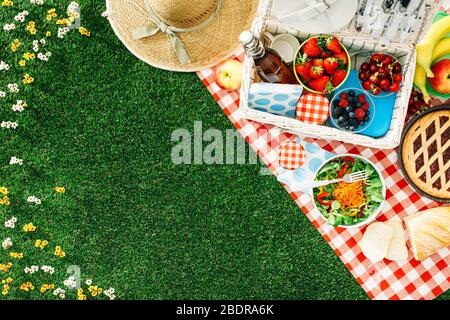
point(274, 98)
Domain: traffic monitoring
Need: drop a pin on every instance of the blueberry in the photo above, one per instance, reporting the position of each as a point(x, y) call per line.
point(359, 104)
point(341, 119)
point(368, 113)
point(366, 118)
point(352, 115)
point(345, 123)
point(348, 109)
point(336, 103)
point(351, 99)
point(352, 128)
point(351, 93)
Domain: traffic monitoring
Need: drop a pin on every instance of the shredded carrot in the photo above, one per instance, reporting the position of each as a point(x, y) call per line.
point(350, 195)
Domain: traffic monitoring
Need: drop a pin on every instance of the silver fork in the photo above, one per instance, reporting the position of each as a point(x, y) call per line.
point(348, 178)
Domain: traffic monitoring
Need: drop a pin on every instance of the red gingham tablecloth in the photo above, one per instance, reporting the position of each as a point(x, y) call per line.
point(386, 279)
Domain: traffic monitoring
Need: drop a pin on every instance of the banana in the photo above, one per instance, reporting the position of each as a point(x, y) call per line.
point(425, 49)
point(420, 76)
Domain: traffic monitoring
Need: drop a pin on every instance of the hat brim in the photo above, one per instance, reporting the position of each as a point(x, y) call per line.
point(207, 46)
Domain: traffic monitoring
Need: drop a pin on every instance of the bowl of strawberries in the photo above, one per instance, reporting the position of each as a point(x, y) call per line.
point(322, 64)
point(381, 75)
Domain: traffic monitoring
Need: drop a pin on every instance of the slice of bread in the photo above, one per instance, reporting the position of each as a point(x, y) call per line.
point(376, 240)
point(397, 250)
point(429, 231)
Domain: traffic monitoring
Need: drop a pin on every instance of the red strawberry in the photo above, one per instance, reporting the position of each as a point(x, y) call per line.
point(330, 65)
point(344, 95)
point(365, 106)
point(315, 72)
point(333, 45)
point(362, 98)
point(311, 48)
point(325, 54)
point(341, 56)
point(322, 84)
point(303, 70)
point(360, 113)
point(317, 63)
point(338, 76)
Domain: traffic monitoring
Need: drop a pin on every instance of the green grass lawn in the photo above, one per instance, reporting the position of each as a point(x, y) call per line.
point(99, 123)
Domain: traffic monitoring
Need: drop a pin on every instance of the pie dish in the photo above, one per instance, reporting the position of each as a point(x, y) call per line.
point(425, 153)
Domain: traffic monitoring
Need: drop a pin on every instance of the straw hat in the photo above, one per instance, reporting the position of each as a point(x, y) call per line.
point(181, 35)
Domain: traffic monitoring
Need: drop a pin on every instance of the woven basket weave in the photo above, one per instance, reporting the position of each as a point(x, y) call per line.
point(355, 42)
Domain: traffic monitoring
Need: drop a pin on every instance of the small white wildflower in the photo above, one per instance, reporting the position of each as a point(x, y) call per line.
point(105, 14)
point(110, 293)
point(37, 2)
point(2, 94)
point(13, 87)
point(4, 66)
point(31, 270)
point(15, 160)
point(19, 106)
point(11, 223)
point(21, 16)
point(70, 282)
point(60, 292)
point(33, 199)
point(62, 32)
point(9, 26)
point(88, 282)
point(43, 41)
point(9, 124)
point(48, 269)
point(7, 243)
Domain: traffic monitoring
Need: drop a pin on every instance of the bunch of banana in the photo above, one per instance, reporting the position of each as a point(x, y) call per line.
point(432, 47)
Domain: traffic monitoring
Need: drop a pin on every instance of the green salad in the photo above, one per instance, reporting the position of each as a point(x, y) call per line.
point(348, 203)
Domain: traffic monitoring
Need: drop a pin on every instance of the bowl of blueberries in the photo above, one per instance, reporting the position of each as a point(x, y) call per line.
point(352, 110)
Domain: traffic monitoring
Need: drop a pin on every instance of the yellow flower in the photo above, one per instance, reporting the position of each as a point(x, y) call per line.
point(5, 201)
point(16, 255)
point(84, 32)
point(41, 244)
point(22, 63)
point(7, 280)
point(5, 267)
point(27, 79)
point(31, 27)
point(30, 227)
point(59, 252)
point(29, 56)
point(95, 290)
point(46, 287)
point(63, 22)
point(80, 294)
point(51, 14)
point(7, 3)
point(48, 34)
point(15, 45)
point(4, 190)
point(26, 286)
point(60, 189)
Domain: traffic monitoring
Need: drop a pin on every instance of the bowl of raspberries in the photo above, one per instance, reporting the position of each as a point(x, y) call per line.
point(322, 64)
point(381, 75)
point(352, 110)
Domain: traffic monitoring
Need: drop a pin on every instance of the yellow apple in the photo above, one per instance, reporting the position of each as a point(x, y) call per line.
point(229, 74)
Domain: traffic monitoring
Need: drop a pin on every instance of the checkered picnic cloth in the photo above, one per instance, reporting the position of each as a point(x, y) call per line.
point(291, 155)
point(313, 108)
point(384, 280)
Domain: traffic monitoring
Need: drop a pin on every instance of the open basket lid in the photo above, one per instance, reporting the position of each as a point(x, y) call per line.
point(380, 20)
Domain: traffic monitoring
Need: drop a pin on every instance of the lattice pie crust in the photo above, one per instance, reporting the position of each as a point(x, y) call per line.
point(426, 153)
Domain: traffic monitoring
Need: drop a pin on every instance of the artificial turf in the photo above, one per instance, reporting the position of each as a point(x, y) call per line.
point(100, 124)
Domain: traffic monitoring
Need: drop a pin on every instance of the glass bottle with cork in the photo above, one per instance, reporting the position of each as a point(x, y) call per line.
point(268, 63)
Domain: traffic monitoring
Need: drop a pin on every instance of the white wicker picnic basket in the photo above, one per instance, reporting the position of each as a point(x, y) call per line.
point(355, 42)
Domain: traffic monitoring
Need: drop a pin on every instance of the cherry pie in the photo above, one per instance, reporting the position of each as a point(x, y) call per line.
point(426, 153)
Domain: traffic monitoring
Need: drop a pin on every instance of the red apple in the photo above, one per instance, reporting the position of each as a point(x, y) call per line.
point(441, 81)
point(229, 74)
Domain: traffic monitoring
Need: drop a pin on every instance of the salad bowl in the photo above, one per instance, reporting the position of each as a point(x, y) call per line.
point(349, 205)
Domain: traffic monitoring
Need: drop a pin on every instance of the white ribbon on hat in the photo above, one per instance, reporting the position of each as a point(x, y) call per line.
point(156, 25)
